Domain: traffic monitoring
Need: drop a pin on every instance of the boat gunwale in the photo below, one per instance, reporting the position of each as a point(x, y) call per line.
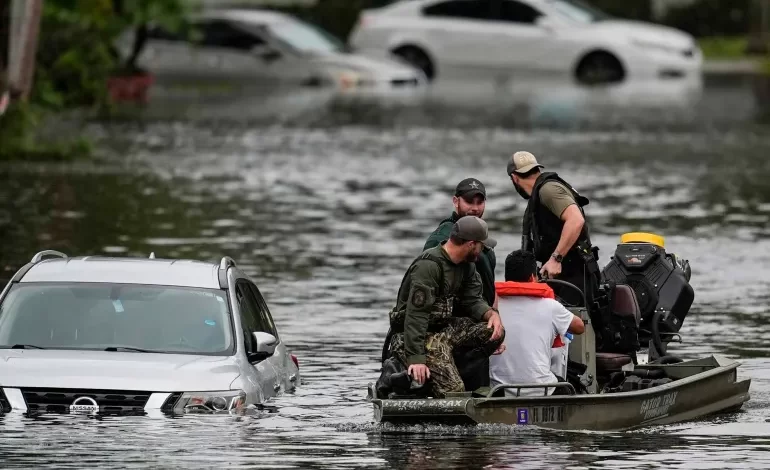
point(718, 369)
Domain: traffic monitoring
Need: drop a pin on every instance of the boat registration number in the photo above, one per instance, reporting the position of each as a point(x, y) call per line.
point(540, 415)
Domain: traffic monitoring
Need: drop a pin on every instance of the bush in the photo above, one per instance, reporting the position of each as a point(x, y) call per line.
point(712, 18)
point(20, 138)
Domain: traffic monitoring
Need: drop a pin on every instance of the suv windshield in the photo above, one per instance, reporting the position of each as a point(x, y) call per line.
point(576, 10)
point(100, 316)
point(306, 37)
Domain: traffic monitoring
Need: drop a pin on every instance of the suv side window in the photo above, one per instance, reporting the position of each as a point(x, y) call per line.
point(219, 33)
point(517, 12)
point(462, 9)
point(249, 315)
point(265, 319)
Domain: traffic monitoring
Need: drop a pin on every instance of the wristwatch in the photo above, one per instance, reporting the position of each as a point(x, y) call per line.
point(557, 257)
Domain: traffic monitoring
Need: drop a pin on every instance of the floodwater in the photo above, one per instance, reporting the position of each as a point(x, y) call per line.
point(326, 205)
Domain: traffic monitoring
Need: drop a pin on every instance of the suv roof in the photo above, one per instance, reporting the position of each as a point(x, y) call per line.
point(126, 270)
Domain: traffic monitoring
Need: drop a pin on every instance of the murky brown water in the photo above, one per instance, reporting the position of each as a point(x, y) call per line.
point(326, 215)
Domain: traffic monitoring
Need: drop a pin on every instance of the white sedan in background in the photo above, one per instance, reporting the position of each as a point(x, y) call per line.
point(263, 49)
point(512, 38)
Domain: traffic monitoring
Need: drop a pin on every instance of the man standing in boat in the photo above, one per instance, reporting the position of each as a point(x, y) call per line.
point(470, 199)
point(426, 329)
point(554, 227)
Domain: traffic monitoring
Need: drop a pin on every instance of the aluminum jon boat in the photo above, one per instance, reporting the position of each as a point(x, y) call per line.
point(698, 388)
point(605, 390)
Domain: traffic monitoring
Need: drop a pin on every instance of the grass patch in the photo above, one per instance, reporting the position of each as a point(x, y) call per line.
point(728, 48)
point(22, 138)
point(723, 47)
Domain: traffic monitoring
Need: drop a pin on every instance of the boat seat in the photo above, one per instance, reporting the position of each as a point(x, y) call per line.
point(611, 362)
point(625, 304)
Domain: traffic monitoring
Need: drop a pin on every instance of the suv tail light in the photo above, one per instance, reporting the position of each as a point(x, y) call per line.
point(294, 359)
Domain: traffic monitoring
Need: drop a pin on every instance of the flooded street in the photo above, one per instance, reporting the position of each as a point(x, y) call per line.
point(327, 208)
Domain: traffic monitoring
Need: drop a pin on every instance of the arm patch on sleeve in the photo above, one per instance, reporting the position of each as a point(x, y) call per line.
point(419, 297)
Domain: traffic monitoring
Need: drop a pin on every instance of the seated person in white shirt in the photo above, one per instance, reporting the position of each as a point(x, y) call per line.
point(532, 320)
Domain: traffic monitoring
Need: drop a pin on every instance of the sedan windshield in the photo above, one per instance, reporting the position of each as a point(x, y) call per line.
point(116, 317)
point(579, 11)
point(306, 37)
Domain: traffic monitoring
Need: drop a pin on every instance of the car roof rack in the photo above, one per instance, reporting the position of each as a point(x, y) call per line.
point(47, 253)
point(39, 256)
point(224, 263)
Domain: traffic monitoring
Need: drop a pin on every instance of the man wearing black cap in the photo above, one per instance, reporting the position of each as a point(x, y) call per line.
point(469, 199)
point(439, 308)
point(554, 227)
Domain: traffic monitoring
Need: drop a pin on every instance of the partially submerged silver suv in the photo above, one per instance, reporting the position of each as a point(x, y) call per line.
point(137, 336)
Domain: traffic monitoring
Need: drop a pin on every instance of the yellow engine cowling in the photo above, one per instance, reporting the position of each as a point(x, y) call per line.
point(643, 237)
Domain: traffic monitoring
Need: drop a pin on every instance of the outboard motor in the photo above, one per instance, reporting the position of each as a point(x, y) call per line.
point(660, 281)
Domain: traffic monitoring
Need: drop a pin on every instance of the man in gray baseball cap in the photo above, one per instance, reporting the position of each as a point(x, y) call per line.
point(473, 229)
point(470, 199)
point(440, 308)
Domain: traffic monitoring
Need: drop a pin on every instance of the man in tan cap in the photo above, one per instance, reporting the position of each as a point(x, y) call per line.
point(554, 226)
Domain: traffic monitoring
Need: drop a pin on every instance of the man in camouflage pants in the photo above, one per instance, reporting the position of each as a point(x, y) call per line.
point(424, 325)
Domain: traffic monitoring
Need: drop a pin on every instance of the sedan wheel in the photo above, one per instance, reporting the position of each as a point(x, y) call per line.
point(600, 67)
point(417, 59)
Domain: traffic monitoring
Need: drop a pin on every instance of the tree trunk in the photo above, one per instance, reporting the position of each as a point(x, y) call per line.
point(759, 42)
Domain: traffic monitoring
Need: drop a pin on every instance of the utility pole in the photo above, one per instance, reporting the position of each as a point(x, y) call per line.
point(24, 30)
point(5, 34)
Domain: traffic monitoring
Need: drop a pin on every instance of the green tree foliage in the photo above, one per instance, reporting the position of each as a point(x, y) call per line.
point(712, 18)
point(76, 56)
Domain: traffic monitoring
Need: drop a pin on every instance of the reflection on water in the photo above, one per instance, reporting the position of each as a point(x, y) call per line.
point(327, 217)
point(702, 103)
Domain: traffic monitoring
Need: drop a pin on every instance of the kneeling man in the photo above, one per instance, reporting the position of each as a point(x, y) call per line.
point(425, 327)
point(532, 319)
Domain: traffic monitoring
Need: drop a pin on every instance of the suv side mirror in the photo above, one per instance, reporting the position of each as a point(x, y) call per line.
point(266, 344)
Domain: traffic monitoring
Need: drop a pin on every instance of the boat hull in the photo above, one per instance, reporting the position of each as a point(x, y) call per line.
point(701, 387)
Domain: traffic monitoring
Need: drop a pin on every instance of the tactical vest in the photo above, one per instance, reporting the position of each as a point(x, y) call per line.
point(483, 266)
point(443, 307)
point(541, 229)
